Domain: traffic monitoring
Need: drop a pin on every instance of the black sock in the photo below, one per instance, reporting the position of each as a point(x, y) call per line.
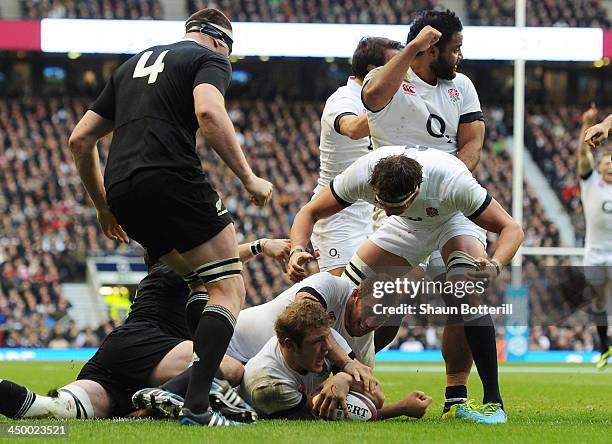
point(178, 384)
point(480, 334)
point(16, 399)
point(212, 337)
point(601, 321)
point(455, 394)
point(604, 342)
point(193, 310)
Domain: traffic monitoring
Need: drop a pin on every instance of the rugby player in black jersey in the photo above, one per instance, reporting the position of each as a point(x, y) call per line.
point(154, 189)
point(151, 347)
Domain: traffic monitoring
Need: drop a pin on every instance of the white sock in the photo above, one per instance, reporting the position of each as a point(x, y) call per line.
point(72, 402)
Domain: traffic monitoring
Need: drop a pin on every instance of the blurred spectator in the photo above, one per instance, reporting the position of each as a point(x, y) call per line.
point(92, 9)
point(574, 13)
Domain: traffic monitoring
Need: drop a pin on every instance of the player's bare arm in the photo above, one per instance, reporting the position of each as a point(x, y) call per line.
point(324, 205)
point(413, 405)
point(218, 130)
point(83, 146)
point(597, 134)
point(277, 249)
point(497, 220)
point(379, 91)
point(354, 127)
point(470, 138)
point(586, 161)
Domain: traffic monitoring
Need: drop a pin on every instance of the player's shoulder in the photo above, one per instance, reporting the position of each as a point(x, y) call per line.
point(461, 81)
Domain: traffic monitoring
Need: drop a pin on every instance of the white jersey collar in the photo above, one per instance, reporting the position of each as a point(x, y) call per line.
point(414, 78)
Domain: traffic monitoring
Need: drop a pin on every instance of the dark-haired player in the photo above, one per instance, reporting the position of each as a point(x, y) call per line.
point(431, 198)
point(420, 98)
point(151, 347)
point(154, 187)
point(345, 138)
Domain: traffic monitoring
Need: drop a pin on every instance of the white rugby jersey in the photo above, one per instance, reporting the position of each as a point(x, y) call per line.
point(448, 186)
point(596, 197)
point(271, 386)
point(337, 151)
point(422, 114)
point(255, 325)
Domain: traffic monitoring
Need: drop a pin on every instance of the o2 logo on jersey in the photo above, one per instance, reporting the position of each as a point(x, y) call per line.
point(333, 253)
point(453, 95)
point(436, 127)
point(408, 89)
point(607, 206)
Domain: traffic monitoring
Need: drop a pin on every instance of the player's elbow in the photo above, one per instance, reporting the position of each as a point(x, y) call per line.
point(518, 235)
point(209, 114)
point(77, 142)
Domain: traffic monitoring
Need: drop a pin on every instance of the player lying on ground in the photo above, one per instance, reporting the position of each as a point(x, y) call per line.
point(596, 195)
point(151, 347)
point(283, 378)
point(431, 197)
point(349, 307)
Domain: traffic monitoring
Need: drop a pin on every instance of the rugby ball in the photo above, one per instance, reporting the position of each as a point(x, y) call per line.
point(360, 408)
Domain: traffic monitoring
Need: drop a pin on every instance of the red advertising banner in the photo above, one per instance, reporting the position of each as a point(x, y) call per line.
point(19, 35)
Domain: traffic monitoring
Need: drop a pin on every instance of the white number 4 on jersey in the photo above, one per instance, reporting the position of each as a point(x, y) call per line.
point(152, 71)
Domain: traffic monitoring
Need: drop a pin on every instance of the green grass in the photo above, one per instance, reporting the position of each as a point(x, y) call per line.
point(545, 404)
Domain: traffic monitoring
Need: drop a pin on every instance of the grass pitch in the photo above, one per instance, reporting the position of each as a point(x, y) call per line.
point(545, 403)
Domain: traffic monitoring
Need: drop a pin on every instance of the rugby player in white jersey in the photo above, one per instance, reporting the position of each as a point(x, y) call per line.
point(345, 138)
point(290, 376)
point(348, 306)
point(596, 194)
point(432, 196)
point(419, 98)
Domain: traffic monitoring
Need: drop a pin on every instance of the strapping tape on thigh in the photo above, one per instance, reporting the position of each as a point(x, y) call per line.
point(460, 263)
point(217, 270)
point(357, 270)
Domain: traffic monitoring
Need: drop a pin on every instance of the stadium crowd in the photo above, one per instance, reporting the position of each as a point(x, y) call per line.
point(93, 9)
point(574, 13)
point(48, 229)
point(582, 13)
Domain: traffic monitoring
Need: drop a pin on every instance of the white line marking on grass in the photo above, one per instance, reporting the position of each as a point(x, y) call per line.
point(514, 369)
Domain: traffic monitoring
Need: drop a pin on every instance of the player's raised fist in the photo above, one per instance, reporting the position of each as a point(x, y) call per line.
point(589, 116)
point(259, 189)
point(428, 37)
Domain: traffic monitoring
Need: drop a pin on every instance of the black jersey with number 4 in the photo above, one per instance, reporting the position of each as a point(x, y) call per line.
point(150, 100)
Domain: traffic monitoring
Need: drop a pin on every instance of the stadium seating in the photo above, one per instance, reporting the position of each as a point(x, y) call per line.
point(92, 9)
point(48, 228)
point(584, 13)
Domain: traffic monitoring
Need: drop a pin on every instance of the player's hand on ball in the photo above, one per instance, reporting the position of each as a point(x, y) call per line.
point(425, 39)
point(415, 404)
point(277, 249)
point(361, 373)
point(110, 226)
point(259, 189)
point(334, 392)
point(596, 135)
point(296, 267)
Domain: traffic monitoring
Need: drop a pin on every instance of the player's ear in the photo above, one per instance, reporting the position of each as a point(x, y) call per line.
point(433, 52)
